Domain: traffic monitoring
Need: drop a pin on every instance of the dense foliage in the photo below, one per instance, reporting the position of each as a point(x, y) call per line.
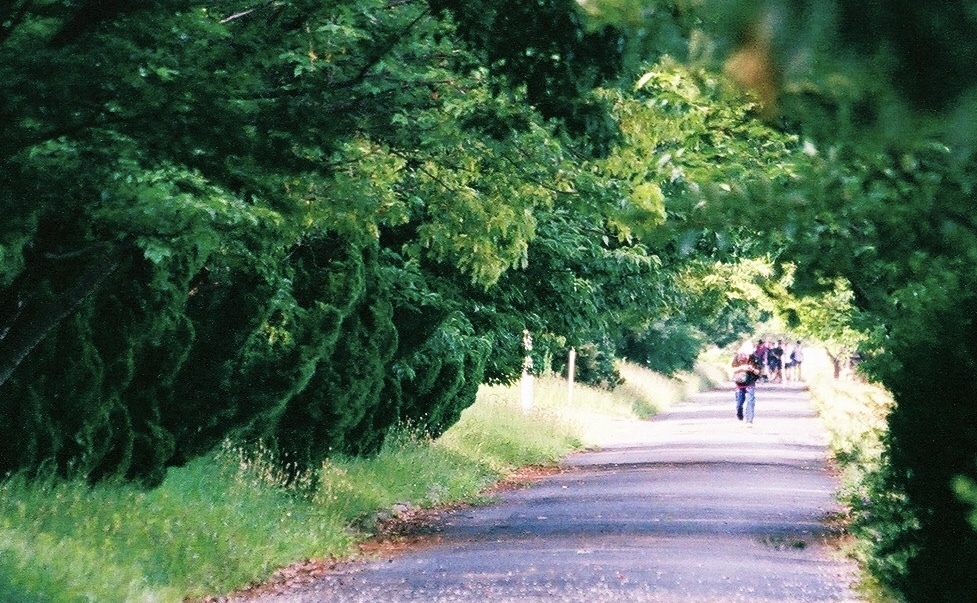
point(257, 219)
point(307, 222)
point(906, 244)
point(882, 94)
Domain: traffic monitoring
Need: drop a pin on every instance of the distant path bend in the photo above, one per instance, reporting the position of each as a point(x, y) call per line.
point(691, 507)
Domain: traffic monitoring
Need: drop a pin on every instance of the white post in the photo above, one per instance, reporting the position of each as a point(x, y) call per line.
point(526, 384)
point(571, 370)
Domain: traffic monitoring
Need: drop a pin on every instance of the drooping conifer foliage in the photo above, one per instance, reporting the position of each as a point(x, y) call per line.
point(254, 219)
point(305, 222)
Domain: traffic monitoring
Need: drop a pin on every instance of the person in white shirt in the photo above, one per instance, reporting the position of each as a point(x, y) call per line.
point(795, 356)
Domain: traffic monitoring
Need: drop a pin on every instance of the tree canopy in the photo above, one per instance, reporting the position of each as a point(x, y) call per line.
point(305, 222)
point(256, 219)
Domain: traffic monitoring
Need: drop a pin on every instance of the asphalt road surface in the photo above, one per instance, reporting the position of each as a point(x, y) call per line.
point(691, 507)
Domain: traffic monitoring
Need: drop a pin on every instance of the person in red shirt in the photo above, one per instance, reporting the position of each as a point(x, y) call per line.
point(746, 372)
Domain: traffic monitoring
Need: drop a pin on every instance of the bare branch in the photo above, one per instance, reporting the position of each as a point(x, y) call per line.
point(391, 43)
point(245, 13)
point(34, 319)
point(238, 15)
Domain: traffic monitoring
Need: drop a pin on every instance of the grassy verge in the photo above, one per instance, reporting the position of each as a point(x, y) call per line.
point(854, 414)
point(228, 520)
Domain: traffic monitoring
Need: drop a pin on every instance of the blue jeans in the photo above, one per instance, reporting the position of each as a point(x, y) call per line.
point(745, 402)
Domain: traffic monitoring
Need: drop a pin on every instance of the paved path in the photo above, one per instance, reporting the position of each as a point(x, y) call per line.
point(692, 507)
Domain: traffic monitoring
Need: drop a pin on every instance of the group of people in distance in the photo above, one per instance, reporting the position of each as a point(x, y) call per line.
point(762, 362)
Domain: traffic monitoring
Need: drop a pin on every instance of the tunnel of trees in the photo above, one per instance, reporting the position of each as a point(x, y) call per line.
point(306, 222)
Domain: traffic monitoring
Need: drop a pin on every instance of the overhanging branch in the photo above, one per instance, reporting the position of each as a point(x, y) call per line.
point(34, 318)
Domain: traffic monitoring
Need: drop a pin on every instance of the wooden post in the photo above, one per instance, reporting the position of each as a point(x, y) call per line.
point(526, 383)
point(571, 370)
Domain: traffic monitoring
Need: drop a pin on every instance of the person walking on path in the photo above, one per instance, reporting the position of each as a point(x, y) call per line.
point(760, 351)
point(795, 355)
point(746, 372)
point(775, 361)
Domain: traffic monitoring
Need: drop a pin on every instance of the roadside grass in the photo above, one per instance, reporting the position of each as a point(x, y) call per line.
point(232, 518)
point(854, 413)
point(206, 527)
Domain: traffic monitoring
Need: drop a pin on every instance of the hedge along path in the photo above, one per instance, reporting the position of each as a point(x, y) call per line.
point(692, 506)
